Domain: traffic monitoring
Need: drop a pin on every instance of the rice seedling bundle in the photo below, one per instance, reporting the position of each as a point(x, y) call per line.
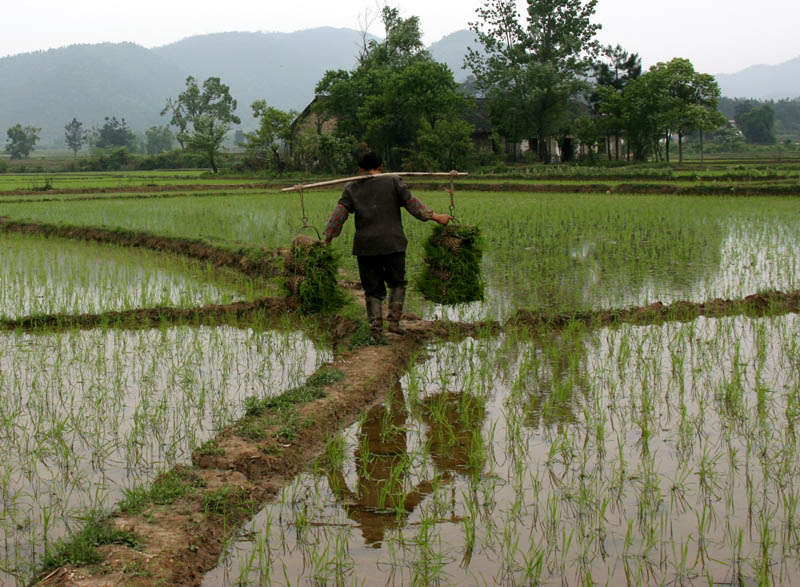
point(453, 256)
point(311, 270)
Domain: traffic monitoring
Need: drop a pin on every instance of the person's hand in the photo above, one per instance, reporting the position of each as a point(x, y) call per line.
point(442, 219)
point(327, 241)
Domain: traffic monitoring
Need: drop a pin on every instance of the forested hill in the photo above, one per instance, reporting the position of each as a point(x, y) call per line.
point(763, 81)
point(47, 89)
point(282, 68)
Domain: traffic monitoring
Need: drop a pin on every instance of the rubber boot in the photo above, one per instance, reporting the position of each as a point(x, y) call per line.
point(375, 317)
point(397, 299)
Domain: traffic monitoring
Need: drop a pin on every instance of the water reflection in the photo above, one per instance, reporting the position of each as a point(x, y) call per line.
point(380, 501)
point(639, 254)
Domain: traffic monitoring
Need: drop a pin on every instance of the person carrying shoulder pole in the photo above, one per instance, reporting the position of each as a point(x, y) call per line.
point(379, 243)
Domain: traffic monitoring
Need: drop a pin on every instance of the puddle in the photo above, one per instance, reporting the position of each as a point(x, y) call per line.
point(659, 454)
point(86, 415)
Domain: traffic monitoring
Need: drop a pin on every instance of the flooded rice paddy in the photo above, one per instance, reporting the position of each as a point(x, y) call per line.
point(639, 455)
point(54, 276)
point(87, 415)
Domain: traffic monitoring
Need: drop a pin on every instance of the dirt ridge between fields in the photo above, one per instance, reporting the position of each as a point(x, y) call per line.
point(246, 259)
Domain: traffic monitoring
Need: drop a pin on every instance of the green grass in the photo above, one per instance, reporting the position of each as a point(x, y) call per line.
point(81, 548)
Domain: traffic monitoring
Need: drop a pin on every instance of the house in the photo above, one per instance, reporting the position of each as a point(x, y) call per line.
point(482, 136)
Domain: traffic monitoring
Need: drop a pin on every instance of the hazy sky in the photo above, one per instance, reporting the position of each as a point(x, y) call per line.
point(718, 36)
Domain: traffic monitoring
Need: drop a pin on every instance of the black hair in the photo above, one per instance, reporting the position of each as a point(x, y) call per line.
point(369, 161)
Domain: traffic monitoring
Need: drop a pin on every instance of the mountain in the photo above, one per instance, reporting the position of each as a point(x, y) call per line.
point(452, 49)
point(763, 81)
point(282, 68)
point(46, 89)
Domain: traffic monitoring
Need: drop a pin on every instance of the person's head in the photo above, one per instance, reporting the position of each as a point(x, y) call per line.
point(370, 161)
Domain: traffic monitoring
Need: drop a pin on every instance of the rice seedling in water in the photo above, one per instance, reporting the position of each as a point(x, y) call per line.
point(91, 417)
point(566, 504)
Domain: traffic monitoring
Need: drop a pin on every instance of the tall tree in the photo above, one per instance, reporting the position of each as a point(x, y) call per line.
point(531, 71)
point(614, 70)
point(396, 91)
point(158, 139)
point(21, 141)
point(203, 116)
point(689, 101)
point(671, 98)
point(273, 132)
point(75, 135)
point(114, 133)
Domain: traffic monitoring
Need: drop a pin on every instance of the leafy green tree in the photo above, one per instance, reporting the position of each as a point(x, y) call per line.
point(207, 139)
point(446, 144)
point(530, 72)
point(757, 124)
point(641, 107)
point(395, 93)
point(158, 139)
point(203, 116)
point(115, 133)
point(75, 135)
point(21, 141)
point(671, 98)
point(272, 135)
point(614, 70)
point(690, 100)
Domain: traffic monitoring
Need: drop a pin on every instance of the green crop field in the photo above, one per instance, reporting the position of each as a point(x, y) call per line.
point(608, 439)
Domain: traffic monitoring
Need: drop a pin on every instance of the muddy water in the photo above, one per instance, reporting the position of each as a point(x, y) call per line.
point(86, 415)
point(49, 276)
point(640, 454)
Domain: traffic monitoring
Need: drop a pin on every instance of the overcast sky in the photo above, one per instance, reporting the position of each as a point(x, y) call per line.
point(718, 36)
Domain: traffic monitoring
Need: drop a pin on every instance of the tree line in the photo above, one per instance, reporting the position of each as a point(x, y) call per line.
point(546, 79)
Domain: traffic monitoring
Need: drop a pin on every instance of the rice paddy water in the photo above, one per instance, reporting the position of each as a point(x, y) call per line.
point(639, 454)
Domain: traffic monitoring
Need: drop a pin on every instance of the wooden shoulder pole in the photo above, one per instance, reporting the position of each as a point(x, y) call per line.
point(300, 187)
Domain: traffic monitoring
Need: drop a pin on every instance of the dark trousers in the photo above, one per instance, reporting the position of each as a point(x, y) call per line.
point(377, 270)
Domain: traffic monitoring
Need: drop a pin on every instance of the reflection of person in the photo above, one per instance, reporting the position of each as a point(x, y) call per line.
point(379, 243)
point(380, 501)
point(454, 438)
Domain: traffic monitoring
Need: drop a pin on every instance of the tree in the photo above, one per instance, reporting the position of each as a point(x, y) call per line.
point(21, 140)
point(446, 144)
point(158, 139)
point(689, 102)
point(115, 133)
point(671, 98)
point(395, 93)
point(273, 132)
point(203, 117)
point(757, 123)
point(613, 72)
point(75, 135)
point(531, 72)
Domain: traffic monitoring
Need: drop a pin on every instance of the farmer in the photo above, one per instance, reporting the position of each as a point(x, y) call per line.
point(379, 243)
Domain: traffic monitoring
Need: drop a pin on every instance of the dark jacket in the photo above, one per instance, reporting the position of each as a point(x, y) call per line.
point(376, 203)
